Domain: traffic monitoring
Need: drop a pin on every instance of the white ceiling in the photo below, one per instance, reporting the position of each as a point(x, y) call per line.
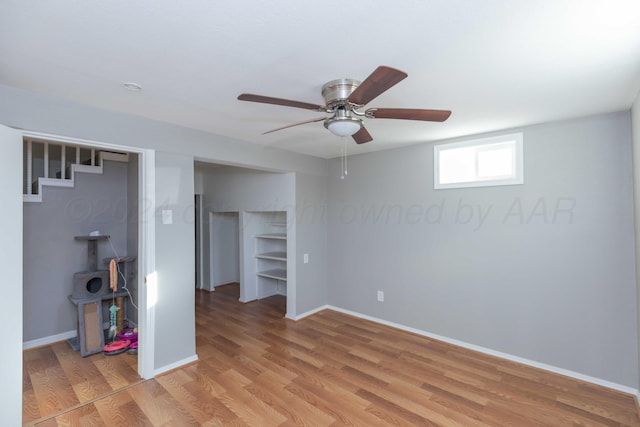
point(495, 63)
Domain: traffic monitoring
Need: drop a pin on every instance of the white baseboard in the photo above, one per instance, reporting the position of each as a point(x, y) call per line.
point(506, 356)
point(175, 365)
point(307, 313)
point(49, 340)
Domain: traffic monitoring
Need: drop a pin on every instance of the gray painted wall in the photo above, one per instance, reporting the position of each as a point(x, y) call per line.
point(238, 189)
point(635, 129)
point(11, 267)
point(52, 255)
point(41, 113)
point(175, 260)
point(543, 271)
point(311, 238)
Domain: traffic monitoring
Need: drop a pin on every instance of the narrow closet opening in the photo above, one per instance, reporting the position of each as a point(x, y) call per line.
point(225, 248)
point(80, 273)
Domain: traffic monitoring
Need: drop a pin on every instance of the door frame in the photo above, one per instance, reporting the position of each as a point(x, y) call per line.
point(146, 242)
point(199, 248)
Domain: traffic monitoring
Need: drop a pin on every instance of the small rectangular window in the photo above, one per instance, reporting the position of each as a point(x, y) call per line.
point(479, 163)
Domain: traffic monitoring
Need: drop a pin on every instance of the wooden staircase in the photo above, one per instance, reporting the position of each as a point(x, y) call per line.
point(51, 164)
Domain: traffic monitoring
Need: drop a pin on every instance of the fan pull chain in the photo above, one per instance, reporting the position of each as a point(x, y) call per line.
point(346, 155)
point(343, 158)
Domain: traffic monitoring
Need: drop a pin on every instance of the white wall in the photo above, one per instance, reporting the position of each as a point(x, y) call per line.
point(543, 271)
point(11, 267)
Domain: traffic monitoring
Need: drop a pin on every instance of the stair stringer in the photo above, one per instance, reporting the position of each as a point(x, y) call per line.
point(70, 183)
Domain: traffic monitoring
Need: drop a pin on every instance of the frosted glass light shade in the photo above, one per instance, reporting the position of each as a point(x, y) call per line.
point(344, 127)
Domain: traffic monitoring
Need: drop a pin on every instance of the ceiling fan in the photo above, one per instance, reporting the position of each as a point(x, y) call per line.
point(345, 97)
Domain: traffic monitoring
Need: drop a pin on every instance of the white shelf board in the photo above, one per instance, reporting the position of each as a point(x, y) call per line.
point(277, 236)
point(276, 273)
point(278, 256)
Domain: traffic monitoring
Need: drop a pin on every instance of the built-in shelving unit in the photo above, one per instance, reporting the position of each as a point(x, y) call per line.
point(271, 254)
point(263, 248)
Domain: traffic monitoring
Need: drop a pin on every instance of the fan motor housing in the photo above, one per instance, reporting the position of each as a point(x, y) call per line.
point(336, 92)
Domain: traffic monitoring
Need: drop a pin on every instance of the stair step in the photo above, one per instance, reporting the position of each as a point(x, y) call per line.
point(69, 180)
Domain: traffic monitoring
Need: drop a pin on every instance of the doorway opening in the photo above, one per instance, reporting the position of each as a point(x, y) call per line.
point(247, 230)
point(224, 241)
point(81, 204)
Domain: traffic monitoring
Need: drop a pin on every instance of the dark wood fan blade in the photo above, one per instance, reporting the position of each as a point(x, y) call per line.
point(319, 119)
point(362, 136)
point(379, 81)
point(409, 114)
point(279, 101)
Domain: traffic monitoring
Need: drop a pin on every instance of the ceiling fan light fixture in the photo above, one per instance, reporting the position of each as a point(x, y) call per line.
point(344, 97)
point(343, 127)
point(343, 123)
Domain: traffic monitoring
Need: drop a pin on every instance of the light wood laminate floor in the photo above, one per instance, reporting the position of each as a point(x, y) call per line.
point(257, 369)
point(56, 378)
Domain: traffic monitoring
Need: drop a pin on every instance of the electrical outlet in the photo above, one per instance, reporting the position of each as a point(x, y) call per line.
point(305, 258)
point(380, 296)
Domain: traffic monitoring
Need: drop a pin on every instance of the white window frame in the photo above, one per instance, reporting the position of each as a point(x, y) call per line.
point(518, 162)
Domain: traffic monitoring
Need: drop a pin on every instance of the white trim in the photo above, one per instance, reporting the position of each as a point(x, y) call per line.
point(146, 237)
point(211, 286)
point(176, 365)
point(86, 143)
point(54, 182)
point(506, 356)
point(84, 169)
point(309, 313)
point(46, 159)
point(49, 340)
point(146, 261)
point(31, 198)
point(200, 236)
point(113, 157)
point(29, 167)
point(63, 161)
